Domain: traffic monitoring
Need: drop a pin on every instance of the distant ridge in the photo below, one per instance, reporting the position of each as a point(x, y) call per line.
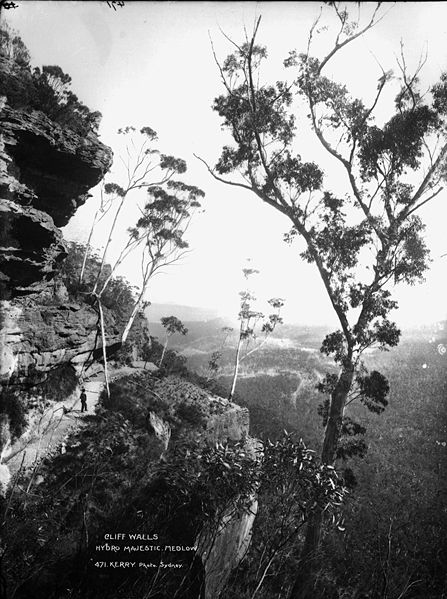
point(186, 313)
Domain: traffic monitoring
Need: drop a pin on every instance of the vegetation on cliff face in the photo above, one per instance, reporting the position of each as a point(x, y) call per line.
point(46, 89)
point(119, 296)
point(110, 478)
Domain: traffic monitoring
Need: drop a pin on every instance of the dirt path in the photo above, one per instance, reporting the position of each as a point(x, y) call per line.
point(56, 423)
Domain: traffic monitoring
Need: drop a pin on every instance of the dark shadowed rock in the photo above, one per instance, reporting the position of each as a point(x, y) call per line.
point(46, 172)
point(31, 248)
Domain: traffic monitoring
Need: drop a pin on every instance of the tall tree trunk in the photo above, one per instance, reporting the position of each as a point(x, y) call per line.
point(146, 278)
point(112, 229)
point(336, 411)
point(164, 351)
point(303, 587)
point(104, 347)
point(236, 369)
point(86, 253)
point(131, 319)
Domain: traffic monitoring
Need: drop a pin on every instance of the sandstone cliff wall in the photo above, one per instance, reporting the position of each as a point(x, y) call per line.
point(46, 173)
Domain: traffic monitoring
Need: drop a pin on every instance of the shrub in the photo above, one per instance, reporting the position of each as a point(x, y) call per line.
point(46, 89)
point(292, 483)
point(191, 413)
point(59, 383)
point(173, 362)
point(12, 407)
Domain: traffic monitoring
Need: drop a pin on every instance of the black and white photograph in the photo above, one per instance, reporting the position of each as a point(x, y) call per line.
point(223, 315)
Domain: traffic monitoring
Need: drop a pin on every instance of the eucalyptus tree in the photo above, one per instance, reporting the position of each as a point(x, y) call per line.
point(172, 325)
point(361, 241)
point(249, 320)
point(102, 210)
point(157, 238)
point(145, 168)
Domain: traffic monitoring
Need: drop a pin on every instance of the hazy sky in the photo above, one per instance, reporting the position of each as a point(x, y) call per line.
point(150, 63)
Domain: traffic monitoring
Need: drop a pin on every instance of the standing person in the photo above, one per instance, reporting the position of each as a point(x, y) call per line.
point(83, 400)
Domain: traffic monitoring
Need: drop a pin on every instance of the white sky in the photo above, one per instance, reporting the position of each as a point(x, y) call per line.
point(150, 63)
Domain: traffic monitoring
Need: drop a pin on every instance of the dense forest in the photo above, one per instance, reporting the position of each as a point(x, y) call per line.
point(393, 520)
point(243, 457)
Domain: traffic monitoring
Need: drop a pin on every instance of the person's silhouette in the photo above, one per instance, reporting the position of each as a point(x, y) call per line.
point(83, 400)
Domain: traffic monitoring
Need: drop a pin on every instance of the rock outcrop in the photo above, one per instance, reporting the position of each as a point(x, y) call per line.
point(45, 175)
point(222, 548)
point(46, 172)
point(37, 337)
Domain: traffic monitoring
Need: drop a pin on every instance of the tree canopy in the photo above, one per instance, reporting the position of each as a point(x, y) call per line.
point(361, 242)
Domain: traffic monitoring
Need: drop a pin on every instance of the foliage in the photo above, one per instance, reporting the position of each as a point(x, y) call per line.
point(14, 410)
point(292, 484)
point(391, 172)
point(399, 482)
point(110, 478)
point(395, 522)
point(173, 362)
point(209, 481)
point(119, 296)
point(385, 230)
point(170, 397)
point(59, 383)
point(158, 234)
point(46, 89)
point(172, 325)
point(249, 320)
point(12, 47)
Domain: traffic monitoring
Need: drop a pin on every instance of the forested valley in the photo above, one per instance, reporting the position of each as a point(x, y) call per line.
point(395, 507)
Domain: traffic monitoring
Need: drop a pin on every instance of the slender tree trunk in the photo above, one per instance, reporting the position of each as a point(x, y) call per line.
point(84, 260)
point(146, 278)
point(164, 351)
point(304, 583)
point(104, 347)
point(264, 574)
point(131, 320)
point(87, 248)
point(112, 229)
point(236, 368)
point(333, 427)
point(130, 246)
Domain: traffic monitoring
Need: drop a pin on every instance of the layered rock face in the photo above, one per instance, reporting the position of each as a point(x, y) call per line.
point(36, 338)
point(45, 175)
